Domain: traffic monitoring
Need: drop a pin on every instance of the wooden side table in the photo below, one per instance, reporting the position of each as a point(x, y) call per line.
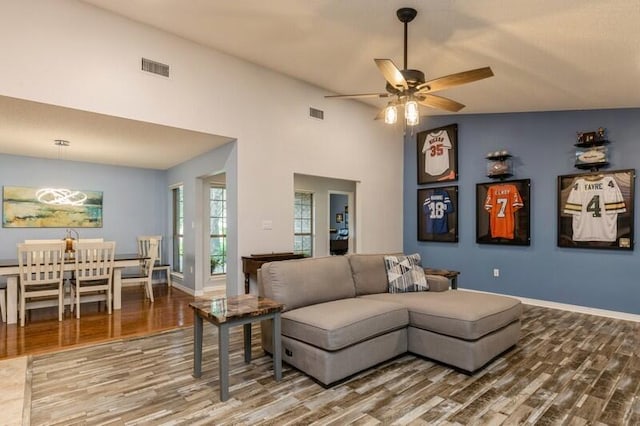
point(447, 273)
point(251, 264)
point(225, 313)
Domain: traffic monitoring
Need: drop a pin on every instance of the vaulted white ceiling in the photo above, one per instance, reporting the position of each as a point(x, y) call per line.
point(546, 55)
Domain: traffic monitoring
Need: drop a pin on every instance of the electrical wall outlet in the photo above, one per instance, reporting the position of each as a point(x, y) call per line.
point(496, 272)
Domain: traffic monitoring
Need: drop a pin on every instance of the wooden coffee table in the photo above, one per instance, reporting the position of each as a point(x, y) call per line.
point(228, 312)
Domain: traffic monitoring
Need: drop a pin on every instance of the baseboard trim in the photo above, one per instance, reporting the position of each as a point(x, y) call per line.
point(185, 289)
point(567, 307)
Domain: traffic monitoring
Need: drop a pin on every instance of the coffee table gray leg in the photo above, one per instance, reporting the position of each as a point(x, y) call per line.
point(247, 343)
point(223, 355)
point(197, 345)
point(277, 347)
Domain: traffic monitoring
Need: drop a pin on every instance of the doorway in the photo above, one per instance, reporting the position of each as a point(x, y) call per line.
point(324, 218)
point(340, 228)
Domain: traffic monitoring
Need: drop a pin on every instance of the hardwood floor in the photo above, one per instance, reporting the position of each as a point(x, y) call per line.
point(44, 333)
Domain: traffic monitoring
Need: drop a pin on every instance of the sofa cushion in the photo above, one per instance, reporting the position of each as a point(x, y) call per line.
point(303, 282)
point(405, 274)
point(369, 273)
point(463, 314)
point(341, 323)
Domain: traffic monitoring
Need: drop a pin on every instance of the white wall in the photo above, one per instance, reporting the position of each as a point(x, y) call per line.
point(79, 56)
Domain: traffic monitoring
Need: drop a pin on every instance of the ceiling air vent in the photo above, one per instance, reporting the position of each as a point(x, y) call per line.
point(316, 113)
point(155, 67)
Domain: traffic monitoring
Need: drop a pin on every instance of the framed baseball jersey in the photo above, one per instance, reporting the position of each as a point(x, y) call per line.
point(438, 154)
point(502, 212)
point(595, 210)
point(438, 214)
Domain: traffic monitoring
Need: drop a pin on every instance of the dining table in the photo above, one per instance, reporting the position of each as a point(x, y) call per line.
point(10, 269)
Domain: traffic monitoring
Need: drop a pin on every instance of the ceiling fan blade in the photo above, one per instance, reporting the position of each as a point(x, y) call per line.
point(391, 73)
point(454, 80)
point(439, 102)
point(359, 95)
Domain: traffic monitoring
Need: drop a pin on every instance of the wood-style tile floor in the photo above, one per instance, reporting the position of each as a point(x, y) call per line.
point(567, 369)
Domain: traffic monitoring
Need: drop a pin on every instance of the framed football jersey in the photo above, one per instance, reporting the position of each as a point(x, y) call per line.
point(438, 214)
point(595, 210)
point(502, 212)
point(438, 154)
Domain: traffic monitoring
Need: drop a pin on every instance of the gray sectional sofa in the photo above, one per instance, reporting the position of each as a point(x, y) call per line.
point(339, 318)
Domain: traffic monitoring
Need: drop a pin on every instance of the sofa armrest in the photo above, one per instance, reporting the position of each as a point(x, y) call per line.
point(437, 282)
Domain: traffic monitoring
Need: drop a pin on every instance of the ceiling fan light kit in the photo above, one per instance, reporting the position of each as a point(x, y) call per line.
point(409, 88)
point(391, 114)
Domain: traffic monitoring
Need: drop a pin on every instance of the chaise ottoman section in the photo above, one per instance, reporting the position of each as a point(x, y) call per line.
point(466, 355)
point(462, 314)
point(459, 328)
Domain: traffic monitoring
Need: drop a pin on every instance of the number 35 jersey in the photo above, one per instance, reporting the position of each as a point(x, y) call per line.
point(595, 205)
point(502, 202)
point(436, 153)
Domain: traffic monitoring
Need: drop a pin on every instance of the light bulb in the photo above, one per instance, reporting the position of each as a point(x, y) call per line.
point(390, 114)
point(411, 113)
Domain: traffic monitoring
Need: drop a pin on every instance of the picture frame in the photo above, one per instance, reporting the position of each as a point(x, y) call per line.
point(26, 207)
point(596, 210)
point(438, 214)
point(503, 212)
point(437, 153)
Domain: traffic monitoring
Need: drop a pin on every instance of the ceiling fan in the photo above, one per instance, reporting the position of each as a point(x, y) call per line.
point(408, 88)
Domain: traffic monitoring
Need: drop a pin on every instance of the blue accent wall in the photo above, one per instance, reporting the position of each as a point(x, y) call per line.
point(542, 145)
point(134, 199)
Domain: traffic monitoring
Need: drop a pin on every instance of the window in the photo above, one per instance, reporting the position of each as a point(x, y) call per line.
point(303, 223)
point(178, 228)
point(218, 229)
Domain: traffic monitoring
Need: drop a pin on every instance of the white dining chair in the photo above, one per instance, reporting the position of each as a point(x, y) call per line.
point(41, 270)
point(93, 273)
point(143, 250)
point(143, 274)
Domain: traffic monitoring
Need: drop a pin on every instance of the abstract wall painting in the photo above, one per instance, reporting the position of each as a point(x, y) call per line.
point(25, 207)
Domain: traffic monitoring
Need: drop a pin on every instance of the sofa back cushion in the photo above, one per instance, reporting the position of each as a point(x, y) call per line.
point(369, 273)
point(297, 283)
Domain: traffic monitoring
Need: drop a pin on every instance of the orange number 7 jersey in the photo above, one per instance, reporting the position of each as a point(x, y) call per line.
point(502, 201)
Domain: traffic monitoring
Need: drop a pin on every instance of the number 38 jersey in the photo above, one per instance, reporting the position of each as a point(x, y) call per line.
point(595, 205)
point(502, 201)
